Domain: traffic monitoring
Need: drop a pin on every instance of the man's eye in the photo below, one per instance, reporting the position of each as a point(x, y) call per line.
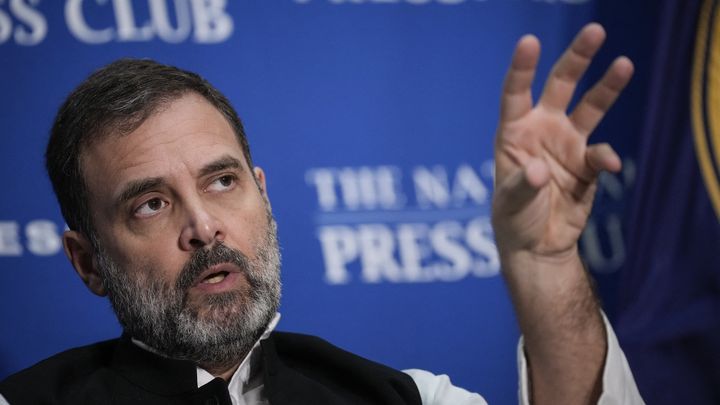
point(150, 207)
point(222, 183)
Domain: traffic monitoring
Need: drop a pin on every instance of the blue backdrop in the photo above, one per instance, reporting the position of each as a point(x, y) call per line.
point(374, 122)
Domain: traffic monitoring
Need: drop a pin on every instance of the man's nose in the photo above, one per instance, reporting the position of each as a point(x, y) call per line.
point(200, 228)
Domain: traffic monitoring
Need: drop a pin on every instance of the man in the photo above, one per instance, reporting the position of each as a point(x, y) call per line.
point(170, 218)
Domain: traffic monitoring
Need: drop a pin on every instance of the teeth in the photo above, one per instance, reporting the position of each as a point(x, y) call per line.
point(215, 279)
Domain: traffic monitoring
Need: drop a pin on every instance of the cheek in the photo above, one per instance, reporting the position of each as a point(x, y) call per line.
point(152, 261)
point(246, 232)
point(151, 244)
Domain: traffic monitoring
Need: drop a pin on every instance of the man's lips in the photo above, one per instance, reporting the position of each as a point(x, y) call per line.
point(218, 277)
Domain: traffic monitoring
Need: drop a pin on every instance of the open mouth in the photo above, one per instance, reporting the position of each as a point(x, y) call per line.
point(218, 278)
point(214, 278)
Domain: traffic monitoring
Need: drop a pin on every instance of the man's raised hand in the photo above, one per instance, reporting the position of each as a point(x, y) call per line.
point(545, 171)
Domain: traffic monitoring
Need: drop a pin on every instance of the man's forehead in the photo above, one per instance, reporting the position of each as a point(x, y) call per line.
point(183, 106)
point(189, 133)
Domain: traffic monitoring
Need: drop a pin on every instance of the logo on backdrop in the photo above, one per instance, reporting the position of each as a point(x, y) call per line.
point(705, 100)
point(381, 224)
point(432, 223)
point(104, 21)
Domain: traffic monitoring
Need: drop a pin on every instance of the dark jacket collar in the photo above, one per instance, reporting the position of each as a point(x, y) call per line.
point(154, 373)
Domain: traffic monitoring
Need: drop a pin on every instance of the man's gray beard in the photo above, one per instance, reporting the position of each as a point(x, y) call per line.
point(218, 332)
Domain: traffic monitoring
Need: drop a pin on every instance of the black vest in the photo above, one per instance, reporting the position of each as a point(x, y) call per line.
point(298, 369)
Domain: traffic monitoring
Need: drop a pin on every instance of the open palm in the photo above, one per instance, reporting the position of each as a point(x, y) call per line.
point(546, 172)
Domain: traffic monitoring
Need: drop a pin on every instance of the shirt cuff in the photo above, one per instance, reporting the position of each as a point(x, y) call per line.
point(618, 384)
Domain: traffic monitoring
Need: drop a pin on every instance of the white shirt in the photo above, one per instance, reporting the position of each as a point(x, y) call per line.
point(246, 386)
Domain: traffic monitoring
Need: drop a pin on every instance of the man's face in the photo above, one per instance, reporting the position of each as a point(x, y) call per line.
point(186, 241)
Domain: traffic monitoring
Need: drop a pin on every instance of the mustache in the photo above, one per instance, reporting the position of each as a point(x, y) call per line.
point(204, 258)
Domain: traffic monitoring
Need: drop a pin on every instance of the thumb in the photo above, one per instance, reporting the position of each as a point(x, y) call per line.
point(518, 190)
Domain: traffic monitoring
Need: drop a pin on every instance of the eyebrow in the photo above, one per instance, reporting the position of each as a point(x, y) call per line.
point(138, 187)
point(223, 163)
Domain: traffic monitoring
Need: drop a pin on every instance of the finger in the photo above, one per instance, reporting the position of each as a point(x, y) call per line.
point(573, 63)
point(522, 187)
point(602, 157)
point(516, 98)
point(598, 100)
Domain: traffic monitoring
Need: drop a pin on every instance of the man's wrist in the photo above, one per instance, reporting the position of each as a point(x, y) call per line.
point(531, 273)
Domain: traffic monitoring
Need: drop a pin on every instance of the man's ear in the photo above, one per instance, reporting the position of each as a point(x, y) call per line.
point(260, 178)
point(81, 254)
